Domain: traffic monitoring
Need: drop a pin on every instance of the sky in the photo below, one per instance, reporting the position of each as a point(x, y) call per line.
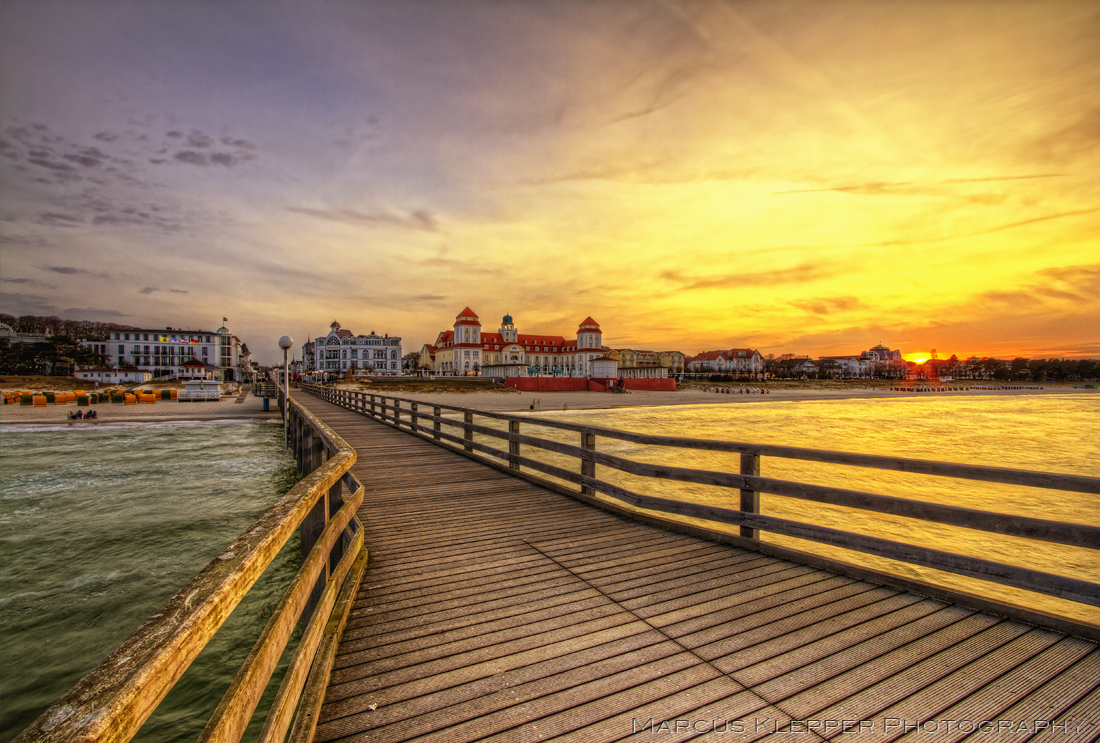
point(797, 177)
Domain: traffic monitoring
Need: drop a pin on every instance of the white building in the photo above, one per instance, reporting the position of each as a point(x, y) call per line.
point(113, 376)
point(165, 352)
point(465, 349)
point(341, 351)
point(740, 361)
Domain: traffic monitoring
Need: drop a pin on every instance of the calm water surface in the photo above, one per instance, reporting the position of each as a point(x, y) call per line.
point(100, 525)
point(1052, 433)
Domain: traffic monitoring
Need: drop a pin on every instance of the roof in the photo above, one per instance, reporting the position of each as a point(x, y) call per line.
point(589, 321)
point(467, 313)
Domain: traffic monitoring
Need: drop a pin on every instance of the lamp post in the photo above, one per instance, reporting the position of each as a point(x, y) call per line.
point(285, 343)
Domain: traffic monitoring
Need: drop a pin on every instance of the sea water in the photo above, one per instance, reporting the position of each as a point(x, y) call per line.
point(1045, 433)
point(100, 525)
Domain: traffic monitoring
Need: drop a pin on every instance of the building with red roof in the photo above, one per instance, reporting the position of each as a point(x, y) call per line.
point(466, 349)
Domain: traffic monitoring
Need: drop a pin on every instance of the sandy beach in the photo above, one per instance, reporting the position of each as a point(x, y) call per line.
point(227, 408)
point(249, 406)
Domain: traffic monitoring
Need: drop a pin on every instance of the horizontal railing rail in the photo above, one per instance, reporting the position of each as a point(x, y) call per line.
point(112, 701)
point(408, 414)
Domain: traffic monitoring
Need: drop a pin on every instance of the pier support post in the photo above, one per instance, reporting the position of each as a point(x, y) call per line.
point(750, 499)
point(436, 411)
point(467, 434)
point(513, 446)
point(588, 469)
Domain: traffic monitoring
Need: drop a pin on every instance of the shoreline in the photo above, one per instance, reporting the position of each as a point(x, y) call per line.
point(491, 401)
point(166, 411)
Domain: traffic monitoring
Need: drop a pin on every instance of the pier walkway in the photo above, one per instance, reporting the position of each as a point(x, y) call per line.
point(493, 608)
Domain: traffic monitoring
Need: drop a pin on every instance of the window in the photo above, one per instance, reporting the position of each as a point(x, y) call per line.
point(127, 337)
point(121, 348)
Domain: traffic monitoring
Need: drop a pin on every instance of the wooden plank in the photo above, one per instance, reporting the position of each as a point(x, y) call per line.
point(992, 700)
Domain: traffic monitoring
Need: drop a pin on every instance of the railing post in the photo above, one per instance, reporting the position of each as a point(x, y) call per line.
point(397, 412)
point(437, 412)
point(335, 501)
point(588, 469)
point(467, 434)
point(373, 408)
point(513, 446)
point(313, 524)
point(413, 416)
point(750, 499)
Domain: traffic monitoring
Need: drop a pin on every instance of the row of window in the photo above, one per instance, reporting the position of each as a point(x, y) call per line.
point(166, 350)
point(145, 337)
point(364, 341)
point(333, 365)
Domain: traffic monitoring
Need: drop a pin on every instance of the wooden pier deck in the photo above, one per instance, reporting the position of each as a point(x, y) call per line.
point(495, 609)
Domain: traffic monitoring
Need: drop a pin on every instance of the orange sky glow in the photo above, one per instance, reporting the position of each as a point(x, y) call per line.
point(802, 177)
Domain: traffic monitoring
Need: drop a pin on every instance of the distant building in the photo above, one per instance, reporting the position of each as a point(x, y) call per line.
point(172, 352)
point(113, 376)
point(799, 367)
point(885, 362)
point(845, 367)
point(737, 361)
point(342, 351)
point(11, 336)
point(633, 363)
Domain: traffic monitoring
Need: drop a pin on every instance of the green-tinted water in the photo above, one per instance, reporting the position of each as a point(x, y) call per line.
point(100, 525)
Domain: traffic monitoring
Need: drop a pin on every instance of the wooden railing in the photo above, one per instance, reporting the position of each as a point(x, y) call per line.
point(414, 416)
point(115, 698)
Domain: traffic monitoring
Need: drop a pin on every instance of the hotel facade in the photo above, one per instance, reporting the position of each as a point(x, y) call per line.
point(171, 352)
point(342, 351)
point(466, 350)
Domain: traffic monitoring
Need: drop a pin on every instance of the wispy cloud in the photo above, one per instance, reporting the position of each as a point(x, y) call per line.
point(416, 219)
point(801, 273)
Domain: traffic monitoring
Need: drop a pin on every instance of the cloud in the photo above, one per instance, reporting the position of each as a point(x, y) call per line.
point(67, 270)
point(794, 275)
point(20, 281)
point(179, 291)
point(56, 219)
point(991, 230)
point(417, 219)
point(829, 305)
point(190, 157)
point(148, 290)
point(94, 311)
point(871, 187)
point(27, 304)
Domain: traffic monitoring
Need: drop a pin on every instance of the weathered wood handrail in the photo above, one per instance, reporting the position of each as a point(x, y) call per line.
point(112, 701)
point(750, 484)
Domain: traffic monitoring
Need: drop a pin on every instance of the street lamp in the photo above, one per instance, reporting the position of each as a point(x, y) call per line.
point(285, 343)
